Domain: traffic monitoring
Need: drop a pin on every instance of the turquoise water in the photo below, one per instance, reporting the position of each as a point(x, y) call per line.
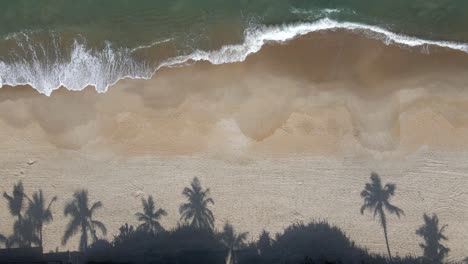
point(49, 43)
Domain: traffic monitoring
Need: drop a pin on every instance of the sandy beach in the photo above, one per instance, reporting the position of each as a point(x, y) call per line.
point(276, 143)
point(254, 194)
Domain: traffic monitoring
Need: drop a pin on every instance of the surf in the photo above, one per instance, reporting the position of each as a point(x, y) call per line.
point(102, 69)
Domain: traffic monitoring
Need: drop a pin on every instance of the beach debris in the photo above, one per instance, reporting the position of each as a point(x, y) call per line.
point(138, 193)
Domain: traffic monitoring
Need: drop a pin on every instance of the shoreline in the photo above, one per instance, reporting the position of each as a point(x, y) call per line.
point(163, 54)
point(291, 134)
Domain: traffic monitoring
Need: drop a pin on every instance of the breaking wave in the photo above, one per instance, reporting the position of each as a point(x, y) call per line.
point(84, 67)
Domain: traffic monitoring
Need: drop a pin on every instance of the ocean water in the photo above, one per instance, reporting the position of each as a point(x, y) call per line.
point(48, 44)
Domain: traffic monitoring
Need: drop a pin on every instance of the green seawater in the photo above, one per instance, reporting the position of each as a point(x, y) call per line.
point(132, 22)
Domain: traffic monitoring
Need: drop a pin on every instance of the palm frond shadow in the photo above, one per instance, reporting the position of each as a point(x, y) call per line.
point(28, 224)
point(82, 220)
point(196, 211)
point(433, 236)
point(196, 240)
point(377, 199)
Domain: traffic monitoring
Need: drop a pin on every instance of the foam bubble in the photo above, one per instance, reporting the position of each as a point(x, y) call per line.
point(256, 38)
point(34, 65)
point(103, 69)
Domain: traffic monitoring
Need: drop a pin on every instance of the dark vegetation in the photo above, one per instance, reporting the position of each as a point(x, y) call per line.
point(195, 240)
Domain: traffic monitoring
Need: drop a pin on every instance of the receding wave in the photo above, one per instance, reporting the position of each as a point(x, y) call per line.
point(47, 67)
point(101, 69)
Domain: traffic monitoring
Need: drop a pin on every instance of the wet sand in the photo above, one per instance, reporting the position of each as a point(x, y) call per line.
point(289, 135)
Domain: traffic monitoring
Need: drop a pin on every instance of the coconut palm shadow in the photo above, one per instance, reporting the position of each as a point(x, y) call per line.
point(377, 199)
point(15, 201)
point(24, 234)
point(150, 217)
point(15, 205)
point(28, 225)
point(196, 211)
point(433, 235)
point(82, 219)
point(39, 213)
point(194, 240)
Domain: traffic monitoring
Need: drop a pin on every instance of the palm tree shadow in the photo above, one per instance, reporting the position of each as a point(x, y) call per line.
point(194, 240)
point(15, 201)
point(24, 228)
point(25, 244)
point(82, 220)
point(15, 205)
point(150, 217)
point(433, 235)
point(39, 213)
point(377, 199)
point(196, 211)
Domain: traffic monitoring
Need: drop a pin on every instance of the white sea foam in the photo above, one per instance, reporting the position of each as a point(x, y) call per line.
point(155, 43)
point(317, 12)
point(255, 39)
point(34, 65)
point(103, 69)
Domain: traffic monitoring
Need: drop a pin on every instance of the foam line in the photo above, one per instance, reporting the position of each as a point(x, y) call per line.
point(103, 70)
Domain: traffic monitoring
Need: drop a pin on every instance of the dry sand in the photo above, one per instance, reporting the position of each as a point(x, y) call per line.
point(254, 194)
point(281, 138)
